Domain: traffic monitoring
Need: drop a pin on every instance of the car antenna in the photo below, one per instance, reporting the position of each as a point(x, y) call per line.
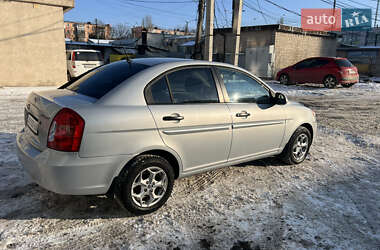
point(127, 58)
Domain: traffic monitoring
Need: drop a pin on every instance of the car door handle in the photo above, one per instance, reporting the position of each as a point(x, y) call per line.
point(173, 117)
point(243, 114)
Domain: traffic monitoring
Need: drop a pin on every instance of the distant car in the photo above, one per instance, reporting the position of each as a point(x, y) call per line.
point(329, 71)
point(131, 127)
point(80, 61)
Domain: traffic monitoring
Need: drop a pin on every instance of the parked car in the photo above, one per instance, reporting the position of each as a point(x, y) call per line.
point(80, 61)
point(329, 71)
point(131, 128)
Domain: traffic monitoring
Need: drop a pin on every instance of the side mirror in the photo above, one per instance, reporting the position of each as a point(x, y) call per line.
point(280, 98)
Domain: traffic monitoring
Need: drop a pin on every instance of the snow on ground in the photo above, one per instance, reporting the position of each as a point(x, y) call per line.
point(317, 90)
point(331, 201)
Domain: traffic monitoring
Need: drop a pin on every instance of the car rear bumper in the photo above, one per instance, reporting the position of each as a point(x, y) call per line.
point(66, 172)
point(349, 80)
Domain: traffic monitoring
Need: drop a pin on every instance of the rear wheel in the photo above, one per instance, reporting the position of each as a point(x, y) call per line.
point(298, 146)
point(330, 82)
point(146, 184)
point(284, 79)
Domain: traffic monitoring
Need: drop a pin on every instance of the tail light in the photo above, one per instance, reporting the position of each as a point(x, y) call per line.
point(66, 130)
point(73, 60)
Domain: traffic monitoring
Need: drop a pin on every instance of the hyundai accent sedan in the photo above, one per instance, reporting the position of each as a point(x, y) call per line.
point(131, 128)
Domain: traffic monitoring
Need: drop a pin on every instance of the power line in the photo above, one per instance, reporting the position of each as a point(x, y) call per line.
point(147, 1)
point(282, 7)
point(258, 11)
point(155, 9)
point(249, 5)
point(265, 19)
point(360, 4)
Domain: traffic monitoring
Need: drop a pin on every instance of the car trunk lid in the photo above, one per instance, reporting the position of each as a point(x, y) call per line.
point(40, 109)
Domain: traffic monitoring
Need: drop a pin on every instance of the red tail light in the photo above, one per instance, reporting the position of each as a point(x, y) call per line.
point(73, 59)
point(66, 130)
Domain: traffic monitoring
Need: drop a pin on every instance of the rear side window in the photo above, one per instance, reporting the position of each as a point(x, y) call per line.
point(343, 63)
point(99, 82)
point(88, 56)
point(158, 93)
point(195, 85)
point(320, 63)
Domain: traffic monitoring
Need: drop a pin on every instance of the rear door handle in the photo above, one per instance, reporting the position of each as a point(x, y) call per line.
point(173, 117)
point(243, 114)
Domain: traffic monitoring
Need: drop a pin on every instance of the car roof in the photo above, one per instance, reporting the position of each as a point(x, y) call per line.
point(158, 60)
point(324, 57)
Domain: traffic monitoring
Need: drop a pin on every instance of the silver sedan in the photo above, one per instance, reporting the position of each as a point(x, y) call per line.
point(132, 127)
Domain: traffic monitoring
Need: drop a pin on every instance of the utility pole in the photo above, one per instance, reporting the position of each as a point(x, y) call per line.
point(96, 30)
point(236, 24)
point(187, 28)
point(197, 47)
point(209, 31)
point(377, 11)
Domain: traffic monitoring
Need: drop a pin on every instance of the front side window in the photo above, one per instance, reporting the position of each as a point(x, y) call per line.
point(158, 92)
point(195, 85)
point(243, 89)
point(304, 64)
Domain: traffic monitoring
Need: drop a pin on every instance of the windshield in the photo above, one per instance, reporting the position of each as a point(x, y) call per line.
point(100, 81)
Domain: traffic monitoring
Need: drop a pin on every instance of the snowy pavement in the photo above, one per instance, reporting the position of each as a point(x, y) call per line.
point(331, 201)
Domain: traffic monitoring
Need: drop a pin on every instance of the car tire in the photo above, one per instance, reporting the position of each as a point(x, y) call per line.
point(347, 85)
point(330, 82)
point(147, 179)
point(284, 79)
point(298, 147)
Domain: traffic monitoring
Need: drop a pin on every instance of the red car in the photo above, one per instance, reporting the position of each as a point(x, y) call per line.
point(330, 71)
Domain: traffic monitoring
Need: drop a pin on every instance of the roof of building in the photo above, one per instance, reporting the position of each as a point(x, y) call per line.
point(188, 44)
point(100, 41)
point(280, 28)
point(359, 48)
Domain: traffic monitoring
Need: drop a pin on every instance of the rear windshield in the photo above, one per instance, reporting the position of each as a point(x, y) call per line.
point(343, 63)
point(88, 56)
point(100, 81)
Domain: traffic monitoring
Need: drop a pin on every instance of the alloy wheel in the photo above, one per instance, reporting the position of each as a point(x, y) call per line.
point(300, 147)
point(330, 82)
point(149, 187)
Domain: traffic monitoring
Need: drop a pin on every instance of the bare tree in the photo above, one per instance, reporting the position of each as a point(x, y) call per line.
point(147, 22)
point(120, 31)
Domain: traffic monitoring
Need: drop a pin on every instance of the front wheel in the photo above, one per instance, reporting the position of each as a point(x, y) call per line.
point(298, 146)
point(330, 82)
point(146, 184)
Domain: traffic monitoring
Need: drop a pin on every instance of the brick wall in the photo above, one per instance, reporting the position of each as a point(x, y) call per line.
point(292, 47)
